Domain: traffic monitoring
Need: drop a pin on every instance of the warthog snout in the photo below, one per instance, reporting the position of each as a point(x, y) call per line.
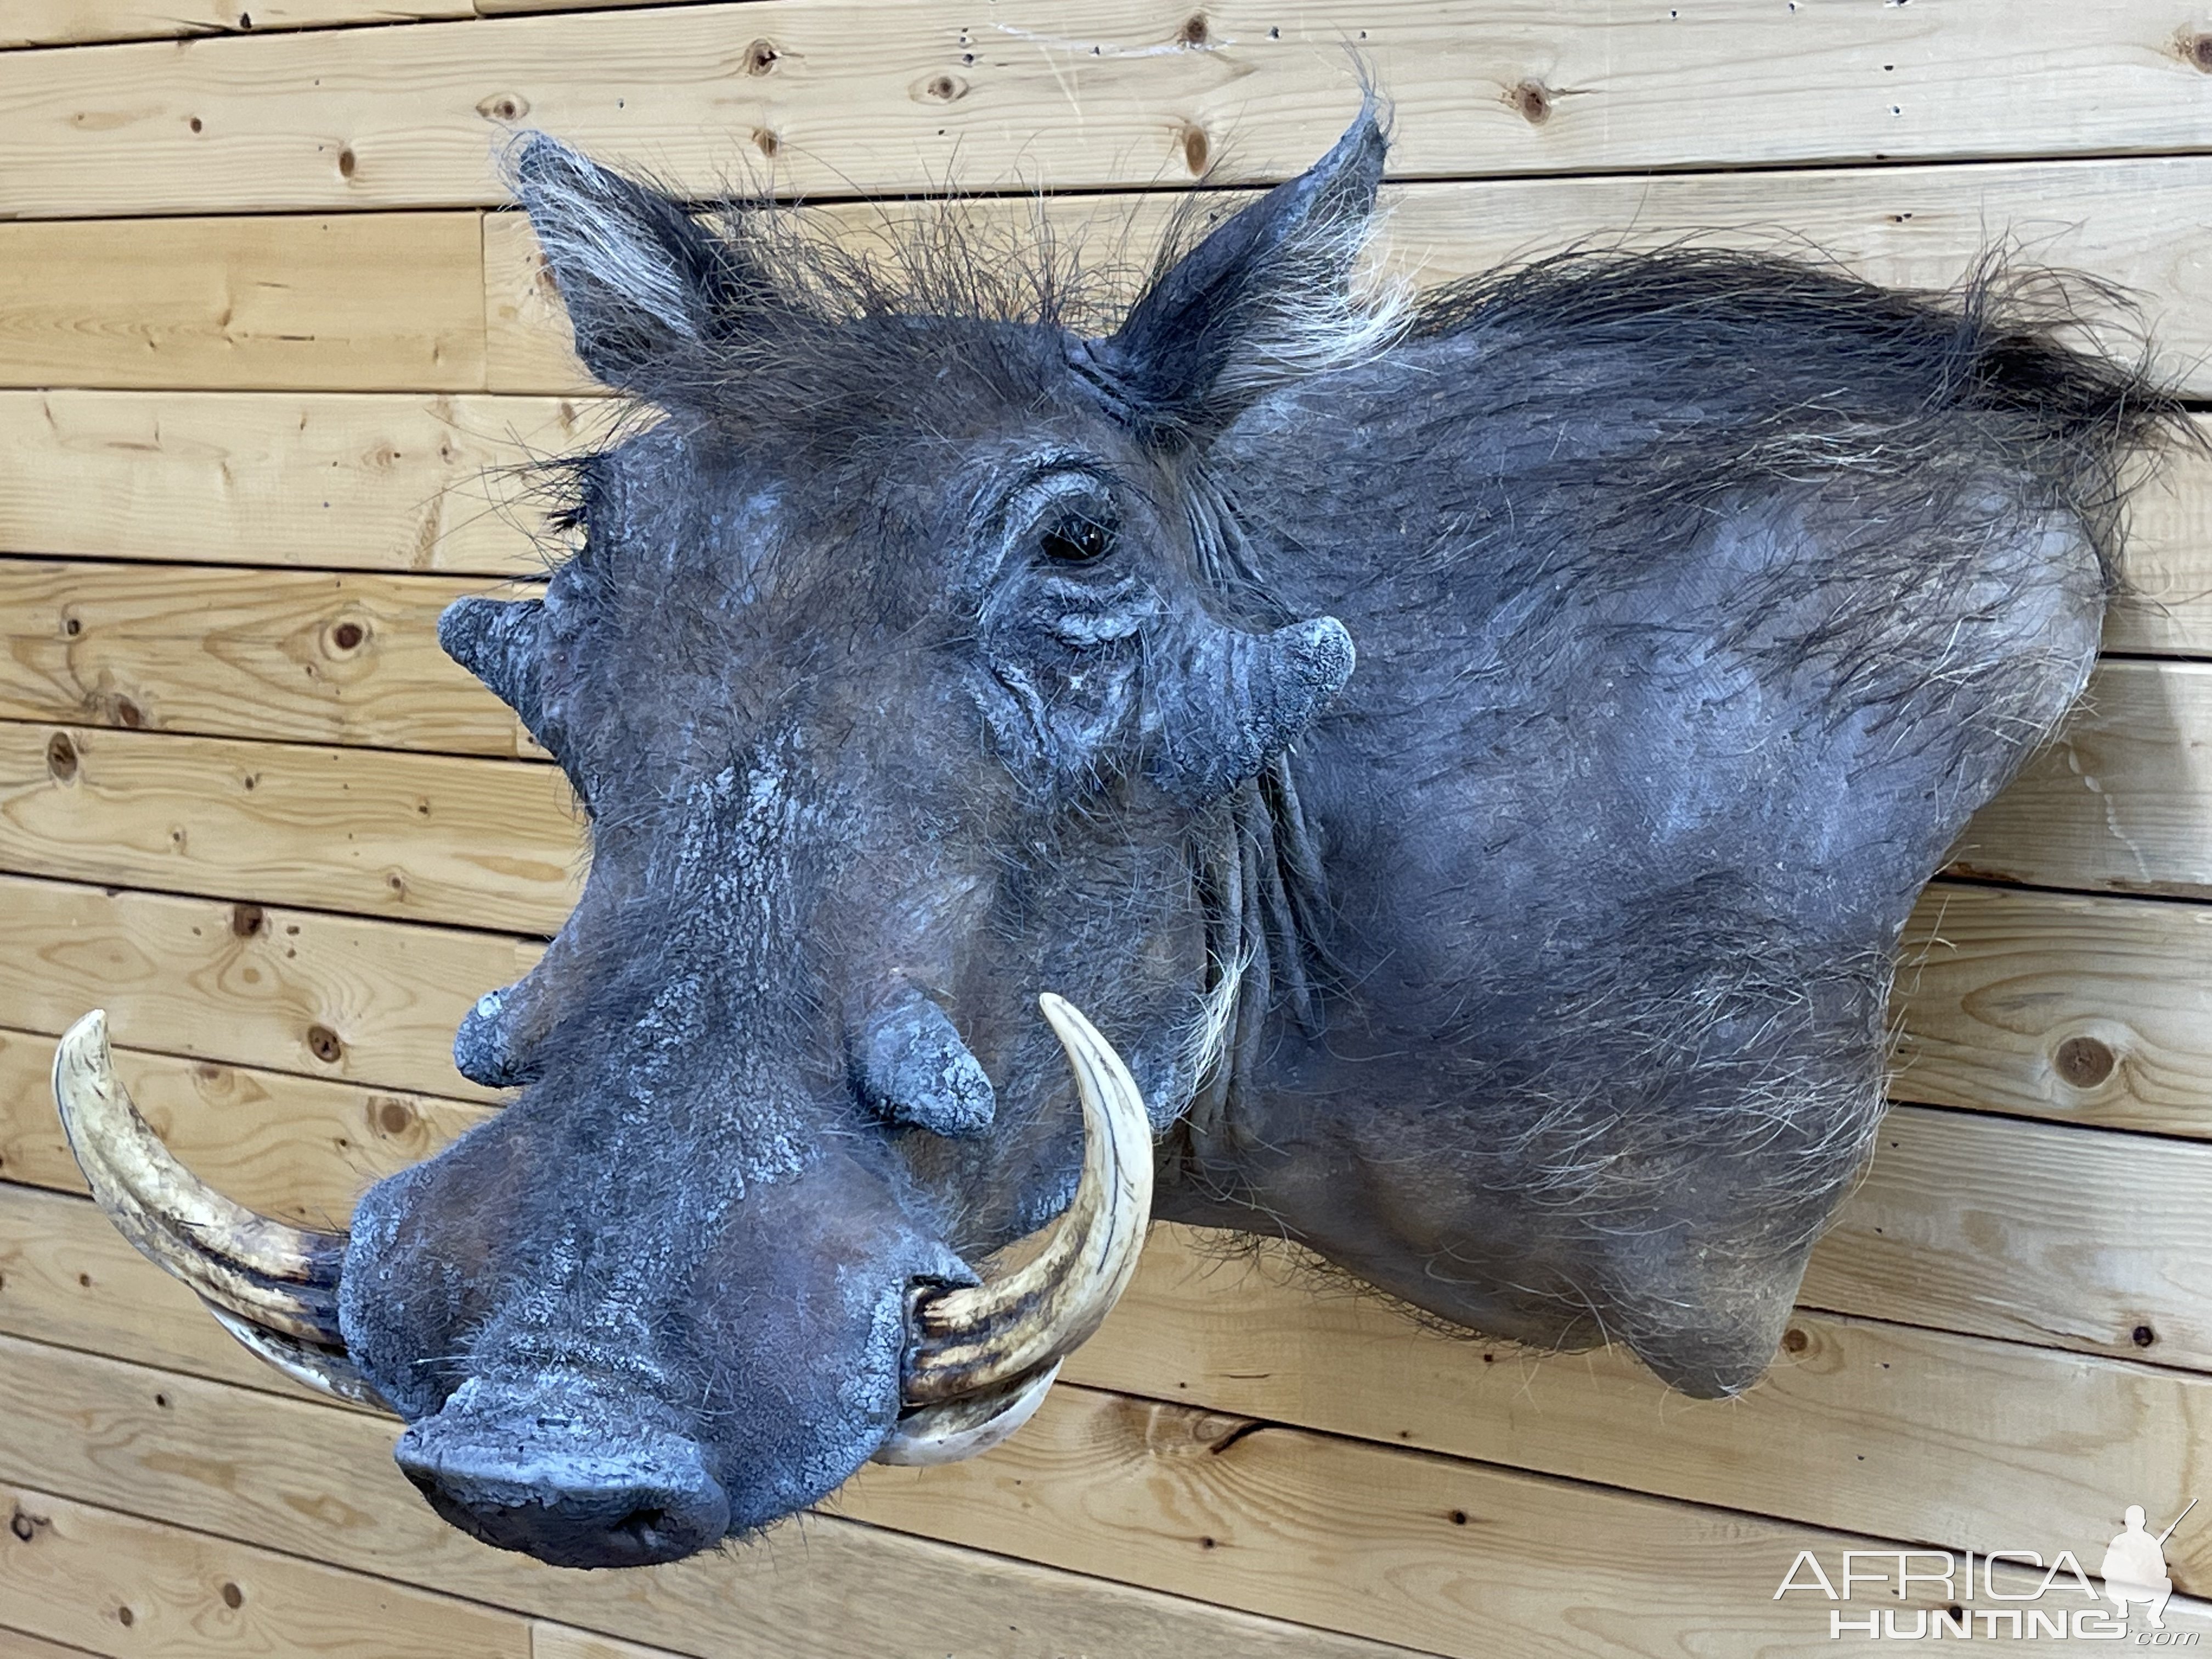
point(567, 1474)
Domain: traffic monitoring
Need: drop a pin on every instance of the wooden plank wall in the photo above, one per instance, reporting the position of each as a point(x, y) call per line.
point(267, 357)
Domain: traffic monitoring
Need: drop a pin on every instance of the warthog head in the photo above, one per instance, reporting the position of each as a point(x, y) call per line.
point(903, 674)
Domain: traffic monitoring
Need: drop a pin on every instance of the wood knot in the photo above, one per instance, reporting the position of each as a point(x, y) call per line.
point(127, 714)
point(245, 919)
point(61, 757)
point(944, 89)
point(2197, 50)
point(1793, 1340)
point(194, 124)
point(346, 162)
point(2083, 1061)
point(766, 142)
point(2143, 1336)
point(393, 1117)
point(26, 1526)
point(233, 1596)
point(322, 1043)
point(1197, 148)
point(1534, 100)
point(503, 106)
point(1192, 33)
point(71, 627)
point(761, 56)
point(348, 636)
point(1457, 1517)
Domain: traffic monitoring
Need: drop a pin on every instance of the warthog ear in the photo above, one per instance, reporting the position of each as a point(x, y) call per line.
point(1268, 297)
point(644, 282)
point(1242, 700)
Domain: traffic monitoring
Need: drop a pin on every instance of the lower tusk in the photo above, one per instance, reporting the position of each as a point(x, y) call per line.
point(995, 1337)
point(262, 1271)
point(328, 1371)
point(963, 1428)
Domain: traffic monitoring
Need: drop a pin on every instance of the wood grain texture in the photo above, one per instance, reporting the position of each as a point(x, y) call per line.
point(80, 22)
point(14, 1644)
point(398, 483)
point(2090, 1011)
point(1974, 1214)
point(2132, 221)
point(850, 97)
point(426, 484)
point(1994, 986)
point(1863, 1425)
point(549, 1640)
point(2167, 608)
point(345, 302)
point(112, 1583)
point(301, 1148)
point(2044, 1233)
point(68, 1278)
point(2122, 802)
point(369, 831)
point(305, 1478)
point(329, 996)
point(1453, 1557)
point(303, 656)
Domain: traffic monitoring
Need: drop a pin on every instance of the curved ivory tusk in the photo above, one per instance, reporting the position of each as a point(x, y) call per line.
point(265, 1273)
point(327, 1371)
point(987, 1338)
point(963, 1428)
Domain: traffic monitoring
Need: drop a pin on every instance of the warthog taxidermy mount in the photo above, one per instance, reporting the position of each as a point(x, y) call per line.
point(929, 649)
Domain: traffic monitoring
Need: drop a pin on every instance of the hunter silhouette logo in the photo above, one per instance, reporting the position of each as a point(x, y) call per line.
point(1993, 1594)
point(2133, 1568)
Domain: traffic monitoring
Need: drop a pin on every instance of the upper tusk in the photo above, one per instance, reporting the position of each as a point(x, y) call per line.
point(265, 1273)
point(985, 1338)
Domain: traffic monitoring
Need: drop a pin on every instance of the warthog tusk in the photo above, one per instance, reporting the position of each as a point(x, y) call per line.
point(273, 1286)
point(963, 1428)
point(977, 1355)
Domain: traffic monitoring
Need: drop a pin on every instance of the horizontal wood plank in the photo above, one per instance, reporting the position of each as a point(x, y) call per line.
point(2092, 1010)
point(366, 483)
point(1861, 1425)
point(80, 22)
point(2089, 1011)
point(347, 302)
point(2128, 221)
point(1351, 1533)
point(341, 657)
point(344, 997)
point(14, 1644)
point(427, 485)
point(295, 1477)
point(368, 832)
point(301, 1148)
point(549, 1641)
point(114, 1584)
point(2034, 1232)
point(840, 95)
point(2122, 802)
point(2045, 1233)
point(67, 1279)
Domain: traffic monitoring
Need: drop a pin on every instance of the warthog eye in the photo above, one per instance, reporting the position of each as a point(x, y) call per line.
point(1075, 538)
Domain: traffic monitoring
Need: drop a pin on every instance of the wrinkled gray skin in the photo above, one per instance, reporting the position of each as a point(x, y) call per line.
point(1697, 600)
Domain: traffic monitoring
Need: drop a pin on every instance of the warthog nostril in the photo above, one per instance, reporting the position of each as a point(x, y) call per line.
point(645, 1525)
